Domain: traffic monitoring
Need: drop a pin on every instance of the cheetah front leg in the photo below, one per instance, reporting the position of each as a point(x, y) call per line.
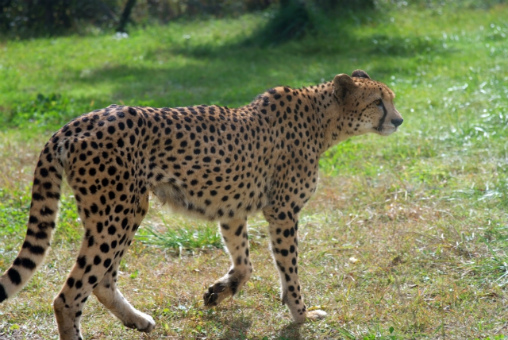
point(234, 234)
point(283, 227)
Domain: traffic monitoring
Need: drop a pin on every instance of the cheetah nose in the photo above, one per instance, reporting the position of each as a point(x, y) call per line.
point(397, 121)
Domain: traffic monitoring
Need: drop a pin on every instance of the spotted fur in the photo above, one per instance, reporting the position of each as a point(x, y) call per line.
point(212, 162)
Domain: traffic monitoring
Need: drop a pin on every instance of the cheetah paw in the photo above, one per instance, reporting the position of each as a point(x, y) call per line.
point(143, 323)
point(215, 294)
point(314, 315)
point(310, 315)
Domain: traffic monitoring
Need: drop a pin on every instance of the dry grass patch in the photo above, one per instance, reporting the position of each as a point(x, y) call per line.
point(398, 262)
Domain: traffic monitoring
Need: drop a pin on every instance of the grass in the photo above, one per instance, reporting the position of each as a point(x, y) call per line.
point(407, 236)
point(181, 235)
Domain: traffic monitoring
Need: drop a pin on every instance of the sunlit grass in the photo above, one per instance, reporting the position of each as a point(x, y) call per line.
point(181, 234)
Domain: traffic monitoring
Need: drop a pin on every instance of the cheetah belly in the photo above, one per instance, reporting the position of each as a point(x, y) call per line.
point(210, 203)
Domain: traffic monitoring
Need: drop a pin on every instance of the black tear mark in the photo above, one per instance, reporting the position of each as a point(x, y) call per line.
point(382, 120)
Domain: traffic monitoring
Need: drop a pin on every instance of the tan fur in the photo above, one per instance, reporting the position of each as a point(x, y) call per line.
point(208, 161)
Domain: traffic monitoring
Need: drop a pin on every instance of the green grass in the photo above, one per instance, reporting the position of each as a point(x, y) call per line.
point(407, 236)
point(179, 234)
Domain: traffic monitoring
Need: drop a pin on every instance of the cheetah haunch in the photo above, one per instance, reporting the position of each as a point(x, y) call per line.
point(212, 162)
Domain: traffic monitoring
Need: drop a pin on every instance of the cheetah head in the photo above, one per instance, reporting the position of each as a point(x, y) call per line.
point(365, 105)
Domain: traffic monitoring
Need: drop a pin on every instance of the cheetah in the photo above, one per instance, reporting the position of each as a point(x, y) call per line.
point(212, 162)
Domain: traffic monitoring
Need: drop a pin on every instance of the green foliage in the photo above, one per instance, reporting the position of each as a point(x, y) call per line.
point(36, 18)
point(42, 112)
point(290, 21)
point(446, 4)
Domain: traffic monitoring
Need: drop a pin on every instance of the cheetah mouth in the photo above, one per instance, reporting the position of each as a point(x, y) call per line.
point(386, 130)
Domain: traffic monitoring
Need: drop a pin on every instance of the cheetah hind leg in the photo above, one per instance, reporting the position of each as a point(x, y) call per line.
point(109, 295)
point(234, 234)
point(107, 292)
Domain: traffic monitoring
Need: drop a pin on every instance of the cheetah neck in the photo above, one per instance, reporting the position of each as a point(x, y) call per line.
point(329, 115)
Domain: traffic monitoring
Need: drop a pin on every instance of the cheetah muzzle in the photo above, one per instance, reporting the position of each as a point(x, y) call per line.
point(211, 162)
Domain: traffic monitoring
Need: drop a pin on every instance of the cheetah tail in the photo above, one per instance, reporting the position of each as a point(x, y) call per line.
point(41, 223)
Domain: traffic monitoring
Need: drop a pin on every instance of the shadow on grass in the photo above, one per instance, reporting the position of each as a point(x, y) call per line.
point(237, 329)
point(234, 75)
point(291, 331)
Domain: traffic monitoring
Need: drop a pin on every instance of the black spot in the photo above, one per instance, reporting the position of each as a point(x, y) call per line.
point(46, 211)
point(81, 262)
point(91, 241)
point(37, 250)
point(41, 235)
point(14, 276)
point(37, 197)
point(104, 247)
point(111, 170)
point(25, 262)
point(3, 294)
point(44, 172)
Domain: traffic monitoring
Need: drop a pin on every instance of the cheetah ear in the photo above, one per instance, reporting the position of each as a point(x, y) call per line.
point(343, 84)
point(360, 74)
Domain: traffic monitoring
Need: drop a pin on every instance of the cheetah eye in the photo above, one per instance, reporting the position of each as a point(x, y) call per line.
point(378, 102)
